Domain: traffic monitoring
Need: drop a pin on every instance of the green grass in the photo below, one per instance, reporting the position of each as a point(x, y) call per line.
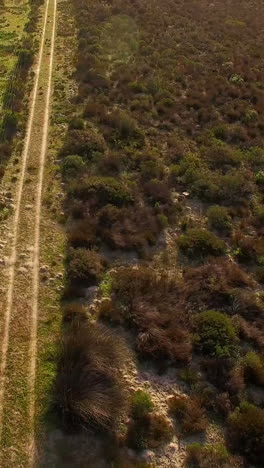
point(12, 23)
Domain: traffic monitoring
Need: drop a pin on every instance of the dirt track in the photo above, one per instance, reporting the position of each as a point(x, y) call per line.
point(20, 271)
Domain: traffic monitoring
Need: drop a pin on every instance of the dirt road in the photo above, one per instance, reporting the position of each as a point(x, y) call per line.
point(20, 266)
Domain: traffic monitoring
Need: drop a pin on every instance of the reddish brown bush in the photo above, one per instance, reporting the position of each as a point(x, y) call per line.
point(189, 412)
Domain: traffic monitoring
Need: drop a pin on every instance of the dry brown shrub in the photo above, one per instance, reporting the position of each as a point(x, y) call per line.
point(189, 412)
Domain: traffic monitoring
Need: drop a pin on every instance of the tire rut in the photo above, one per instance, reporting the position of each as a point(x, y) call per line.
point(20, 306)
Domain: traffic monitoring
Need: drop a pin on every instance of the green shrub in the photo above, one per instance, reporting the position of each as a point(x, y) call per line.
point(72, 166)
point(189, 413)
point(221, 155)
point(200, 243)
point(84, 266)
point(236, 186)
point(209, 456)
point(219, 219)
point(124, 126)
point(76, 123)
point(141, 404)
point(137, 87)
point(254, 368)
point(105, 190)
point(246, 432)
point(85, 143)
point(260, 178)
point(216, 335)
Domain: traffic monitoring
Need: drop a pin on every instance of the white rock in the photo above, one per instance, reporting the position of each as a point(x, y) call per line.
point(148, 455)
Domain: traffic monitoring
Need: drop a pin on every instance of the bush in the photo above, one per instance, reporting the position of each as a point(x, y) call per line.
point(211, 456)
point(141, 404)
point(200, 243)
point(219, 219)
point(74, 311)
point(85, 143)
point(236, 186)
point(246, 432)
point(260, 178)
point(84, 266)
point(157, 191)
point(124, 127)
point(216, 335)
point(88, 388)
point(189, 412)
point(10, 123)
point(212, 285)
point(150, 430)
point(103, 190)
point(254, 368)
point(160, 430)
point(76, 123)
point(72, 166)
point(222, 155)
point(25, 58)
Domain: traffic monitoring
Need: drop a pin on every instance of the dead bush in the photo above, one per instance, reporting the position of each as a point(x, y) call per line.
point(189, 412)
point(89, 391)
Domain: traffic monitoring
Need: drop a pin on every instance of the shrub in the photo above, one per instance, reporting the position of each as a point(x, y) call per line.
point(160, 429)
point(211, 456)
point(141, 404)
point(74, 311)
point(246, 432)
point(216, 335)
point(10, 123)
point(219, 219)
point(88, 388)
point(189, 412)
point(236, 186)
point(200, 243)
point(124, 126)
point(84, 266)
point(260, 274)
point(25, 58)
point(222, 155)
point(150, 430)
point(260, 178)
point(76, 123)
point(85, 143)
point(72, 166)
point(212, 285)
point(103, 190)
point(171, 342)
point(254, 368)
point(157, 191)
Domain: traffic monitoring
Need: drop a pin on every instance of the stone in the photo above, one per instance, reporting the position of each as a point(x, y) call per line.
point(59, 275)
point(44, 269)
point(172, 447)
point(148, 456)
point(28, 207)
